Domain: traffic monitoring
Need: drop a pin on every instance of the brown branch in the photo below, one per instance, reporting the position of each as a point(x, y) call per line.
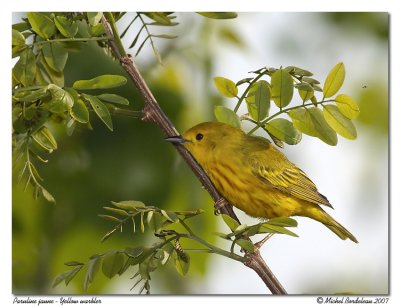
point(153, 112)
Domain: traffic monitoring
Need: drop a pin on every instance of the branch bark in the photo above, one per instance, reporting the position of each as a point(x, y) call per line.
point(153, 112)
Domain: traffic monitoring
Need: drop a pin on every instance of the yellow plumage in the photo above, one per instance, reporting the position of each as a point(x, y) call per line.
point(255, 176)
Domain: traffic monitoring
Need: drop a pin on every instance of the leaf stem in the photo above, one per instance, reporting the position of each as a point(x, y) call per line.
point(149, 36)
point(68, 40)
point(116, 38)
point(260, 124)
point(247, 90)
point(214, 249)
point(125, 112)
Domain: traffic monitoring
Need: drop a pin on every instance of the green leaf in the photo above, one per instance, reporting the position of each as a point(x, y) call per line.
point(189, 213)
point(246, 245)
point(298, 71)
point(100, 82)
point(66, 276)
point(70, 127)
point(117, 211)
point(142, 222)
point(218, 15)
point(100, 109)
point(17, 38)
point(166, 36)
point(302, 121)
point(317, 87)
point(226, 87)
point(310, 81)
point(149, 216)
point(47, 195)
point(159, 17)
point(226, 115)
point(157, 222)
point(170, 216)
point(31, 96)
point(97, 30)
point(138, 258)
point(306, 91)
point(284, 130)
point(283, 221)
point(79, 111)
point(240, 229)
point(112, 263)
point(314, 100)
point(73, 263)
point(243, 81)
point(21, 26)
point(134, 252)
point(347, 106)
point(55, 55)
point(282, 87)
point(252, 230)
point(25, 69)
point(110, 218)
point(92, 269)
point(341, 124)
point(94, 17)
point(45, 139)
point(112, 98)
point(49, 74)
point(270, 228)
point(182, 262)
point(67, 27)
point(232, 223)
point(61, 100)
point(129, 205)
point(16, 51)
point(311, 122)
point(83, 28)
point(303, 86)
point(42, 24)
point(167, 250)
point(325, 132)
point(334, 80)
point(258, 100)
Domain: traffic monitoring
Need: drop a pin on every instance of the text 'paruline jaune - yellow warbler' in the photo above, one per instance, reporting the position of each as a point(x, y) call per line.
point(256, 177)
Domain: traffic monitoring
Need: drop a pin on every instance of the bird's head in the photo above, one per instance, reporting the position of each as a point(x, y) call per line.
point(204, 139)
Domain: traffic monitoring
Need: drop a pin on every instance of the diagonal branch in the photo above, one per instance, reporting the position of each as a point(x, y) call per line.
point(153, 112)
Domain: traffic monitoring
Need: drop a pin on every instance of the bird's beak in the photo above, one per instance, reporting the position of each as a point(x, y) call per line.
point(176, 139)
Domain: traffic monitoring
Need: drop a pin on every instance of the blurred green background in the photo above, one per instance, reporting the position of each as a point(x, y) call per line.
point(92, 168)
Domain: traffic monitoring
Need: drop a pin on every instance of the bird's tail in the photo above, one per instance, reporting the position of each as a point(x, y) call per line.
point(340, 230)
point(317, 213)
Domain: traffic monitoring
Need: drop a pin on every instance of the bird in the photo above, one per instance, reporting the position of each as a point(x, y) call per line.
point(256, 177)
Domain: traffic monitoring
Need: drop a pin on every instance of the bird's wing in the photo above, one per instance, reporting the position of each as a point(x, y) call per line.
point(286, 177)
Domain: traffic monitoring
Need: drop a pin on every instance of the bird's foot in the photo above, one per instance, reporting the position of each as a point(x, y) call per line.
point(219, 204)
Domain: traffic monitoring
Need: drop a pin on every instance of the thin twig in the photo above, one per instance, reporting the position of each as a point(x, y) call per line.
point(153, 112)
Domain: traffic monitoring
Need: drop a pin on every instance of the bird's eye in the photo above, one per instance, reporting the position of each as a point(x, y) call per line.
point(199, 136)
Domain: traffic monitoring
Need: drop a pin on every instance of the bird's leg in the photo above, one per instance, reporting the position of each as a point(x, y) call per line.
point(219, 204)
point(259, 244)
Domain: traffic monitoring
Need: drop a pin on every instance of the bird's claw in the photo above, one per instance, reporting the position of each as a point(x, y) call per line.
point(219, 204)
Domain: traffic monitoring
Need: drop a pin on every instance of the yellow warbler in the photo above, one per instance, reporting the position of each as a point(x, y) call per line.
point(256, 177)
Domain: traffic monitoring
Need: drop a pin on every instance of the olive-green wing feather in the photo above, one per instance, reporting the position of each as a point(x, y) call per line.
point(273, 168)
